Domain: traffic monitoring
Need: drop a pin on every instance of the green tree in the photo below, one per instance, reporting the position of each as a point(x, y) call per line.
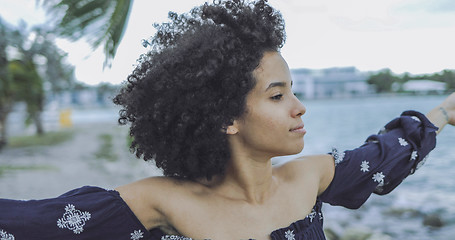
point(29, 89)
point(57, 72)
point(28, 83)
point(37, 61)
point(100, 21)
point(449, 78)
point(382, 80)
point(6, 84)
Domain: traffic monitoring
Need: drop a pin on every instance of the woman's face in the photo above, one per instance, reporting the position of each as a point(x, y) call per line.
point(272, 123)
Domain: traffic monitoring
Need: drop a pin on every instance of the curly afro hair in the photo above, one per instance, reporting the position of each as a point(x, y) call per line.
point(193, 83)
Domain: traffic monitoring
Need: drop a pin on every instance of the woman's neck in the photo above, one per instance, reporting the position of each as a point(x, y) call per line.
point(248, 180)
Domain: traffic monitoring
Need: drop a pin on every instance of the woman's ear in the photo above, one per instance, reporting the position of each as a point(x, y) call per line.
point(231, 130)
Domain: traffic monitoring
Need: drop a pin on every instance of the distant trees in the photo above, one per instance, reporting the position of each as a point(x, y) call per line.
point(385, 80)
point(446, 76)
point(32, 65)
point(29, 61)
point(6, 92)
point(28, 88)
point(382, 80)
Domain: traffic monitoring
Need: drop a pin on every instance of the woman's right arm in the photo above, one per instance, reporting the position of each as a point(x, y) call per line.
point(144, 199)
point(83, 213)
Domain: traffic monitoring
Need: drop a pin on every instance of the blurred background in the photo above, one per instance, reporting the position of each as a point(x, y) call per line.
point(355, 64)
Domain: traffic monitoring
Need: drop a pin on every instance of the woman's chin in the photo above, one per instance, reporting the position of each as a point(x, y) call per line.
point(295, 150)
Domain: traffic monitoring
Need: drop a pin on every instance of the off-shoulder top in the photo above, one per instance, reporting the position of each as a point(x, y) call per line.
point(378, 166)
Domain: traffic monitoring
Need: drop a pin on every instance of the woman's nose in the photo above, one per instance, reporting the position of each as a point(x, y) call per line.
point(299, 108)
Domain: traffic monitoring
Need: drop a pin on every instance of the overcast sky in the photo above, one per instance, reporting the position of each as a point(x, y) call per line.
point(416, 36)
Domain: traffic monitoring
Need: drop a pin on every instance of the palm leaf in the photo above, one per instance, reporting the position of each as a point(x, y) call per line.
point(99, 21)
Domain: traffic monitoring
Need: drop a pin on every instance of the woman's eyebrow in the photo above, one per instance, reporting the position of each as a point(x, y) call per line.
point(276, 84)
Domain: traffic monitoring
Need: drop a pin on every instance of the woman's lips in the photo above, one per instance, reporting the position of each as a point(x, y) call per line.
point(299, 129)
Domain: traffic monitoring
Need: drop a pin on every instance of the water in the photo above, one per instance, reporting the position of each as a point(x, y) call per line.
point(345, 124)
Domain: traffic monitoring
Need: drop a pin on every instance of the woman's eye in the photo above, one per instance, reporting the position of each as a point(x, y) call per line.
point(277, 97)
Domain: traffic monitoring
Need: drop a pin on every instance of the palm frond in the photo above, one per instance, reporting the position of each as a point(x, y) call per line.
point(99, 21)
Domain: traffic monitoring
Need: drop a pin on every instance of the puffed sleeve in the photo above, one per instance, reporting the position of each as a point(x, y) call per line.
point(382, 162)
point(83, 213)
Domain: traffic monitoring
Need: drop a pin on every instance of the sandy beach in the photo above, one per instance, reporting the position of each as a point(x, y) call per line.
point(48, 171)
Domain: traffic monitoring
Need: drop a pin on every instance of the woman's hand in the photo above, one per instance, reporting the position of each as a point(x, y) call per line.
point(444, 113)
point(449, 107)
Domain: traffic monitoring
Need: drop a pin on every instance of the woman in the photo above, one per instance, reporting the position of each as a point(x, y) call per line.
point(211, 104)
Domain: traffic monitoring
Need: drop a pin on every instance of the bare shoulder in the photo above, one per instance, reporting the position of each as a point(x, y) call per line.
point(319, 169)
point(151, 199)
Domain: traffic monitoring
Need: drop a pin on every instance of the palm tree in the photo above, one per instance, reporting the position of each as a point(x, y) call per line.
point(6, 90)
point(101, 21)
point(29, 89)
point(20, 78)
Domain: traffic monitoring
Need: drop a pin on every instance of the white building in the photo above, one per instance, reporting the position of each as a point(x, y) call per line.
point(424, 86)
point(330, 82)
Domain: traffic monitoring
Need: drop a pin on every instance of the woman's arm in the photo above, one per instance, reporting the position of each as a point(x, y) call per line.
point(386, 158)
point(145, 198)
point(444, 113)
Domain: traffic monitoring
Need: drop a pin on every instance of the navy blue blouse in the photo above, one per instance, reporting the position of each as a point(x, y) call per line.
point(88, 212)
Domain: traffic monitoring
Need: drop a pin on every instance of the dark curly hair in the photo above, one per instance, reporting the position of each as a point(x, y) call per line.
point(193, 83)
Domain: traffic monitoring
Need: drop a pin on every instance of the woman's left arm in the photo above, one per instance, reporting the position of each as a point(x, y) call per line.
point(385, 159)
point(444, 113)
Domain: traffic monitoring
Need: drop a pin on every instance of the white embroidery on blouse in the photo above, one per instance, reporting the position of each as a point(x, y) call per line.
point(383, 130)
point(402, 142)
point(416, 118)
point(136, 235)
point(364, 167)
point(413, 155)
point(5, 235)
point(338, 156)
point(289, 235)
point(312, 215)
point(420, 164)
point(73, 219)
point(379, 178)
point(174, 237)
